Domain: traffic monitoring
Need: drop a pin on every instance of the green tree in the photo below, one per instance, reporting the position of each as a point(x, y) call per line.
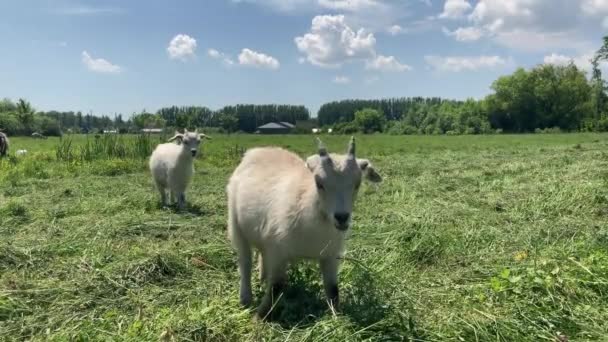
point(228, 122)
point(369, 120)
point(25, 114)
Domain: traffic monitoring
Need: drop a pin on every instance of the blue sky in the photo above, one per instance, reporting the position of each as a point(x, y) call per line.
point(124, 56)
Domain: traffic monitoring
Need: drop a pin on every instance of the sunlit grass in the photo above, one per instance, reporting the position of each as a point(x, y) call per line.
point(469, 238)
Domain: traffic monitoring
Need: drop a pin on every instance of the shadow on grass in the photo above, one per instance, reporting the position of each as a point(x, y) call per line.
point(304, 303)
point(190, 209)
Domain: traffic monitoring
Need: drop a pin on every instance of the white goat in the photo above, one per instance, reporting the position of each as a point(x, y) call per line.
point(3, 144)
point(172, 165)
point(289, 209)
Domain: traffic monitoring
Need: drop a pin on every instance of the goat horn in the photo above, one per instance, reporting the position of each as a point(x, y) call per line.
point(322, 148)
point(351, 147)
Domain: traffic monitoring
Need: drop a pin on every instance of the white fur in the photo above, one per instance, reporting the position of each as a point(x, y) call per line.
point(172, 166)
point(172, 169)
point(274, 205)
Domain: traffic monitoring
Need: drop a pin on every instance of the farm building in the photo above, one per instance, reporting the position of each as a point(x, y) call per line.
point(276, 128)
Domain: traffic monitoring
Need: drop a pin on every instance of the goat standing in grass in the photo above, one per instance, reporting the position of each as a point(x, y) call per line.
point(172, 165)
point(291, 209)
point(3, 144)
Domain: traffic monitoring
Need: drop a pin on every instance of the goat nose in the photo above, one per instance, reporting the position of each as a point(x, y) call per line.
point(341, 218)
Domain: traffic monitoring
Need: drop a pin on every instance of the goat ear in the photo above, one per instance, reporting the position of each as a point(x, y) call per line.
point(369, 172)
point(179, 137)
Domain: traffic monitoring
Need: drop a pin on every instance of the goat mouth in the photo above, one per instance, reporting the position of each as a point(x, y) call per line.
point(342, 227)
point(194, 153)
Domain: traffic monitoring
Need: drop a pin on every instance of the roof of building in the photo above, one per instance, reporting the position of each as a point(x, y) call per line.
point(272, 125)
point(287, 124)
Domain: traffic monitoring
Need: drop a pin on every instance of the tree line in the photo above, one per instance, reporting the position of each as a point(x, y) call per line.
point(546, 97)
point(20, 118)
point(543, 98)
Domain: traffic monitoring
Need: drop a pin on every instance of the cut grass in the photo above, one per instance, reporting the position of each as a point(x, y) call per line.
point(469, 238)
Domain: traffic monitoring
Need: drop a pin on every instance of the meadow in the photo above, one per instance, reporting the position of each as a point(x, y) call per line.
point(469, 238)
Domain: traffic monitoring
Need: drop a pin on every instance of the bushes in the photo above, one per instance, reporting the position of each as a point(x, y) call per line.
point(369, 120)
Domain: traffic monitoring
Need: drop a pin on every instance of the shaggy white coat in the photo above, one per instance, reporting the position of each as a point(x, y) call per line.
point(172, 169)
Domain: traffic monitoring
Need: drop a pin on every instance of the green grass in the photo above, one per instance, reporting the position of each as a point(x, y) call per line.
point(489, 238)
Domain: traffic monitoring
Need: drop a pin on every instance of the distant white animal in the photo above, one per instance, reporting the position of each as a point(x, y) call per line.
point(316, 130)
point(172, 165)
point(20, 152)
point(38, 135)
point(290, 209)
point(330, 130)
point(4, 144)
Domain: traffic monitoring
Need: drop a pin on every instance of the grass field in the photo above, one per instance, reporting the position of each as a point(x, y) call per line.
point(489, 238)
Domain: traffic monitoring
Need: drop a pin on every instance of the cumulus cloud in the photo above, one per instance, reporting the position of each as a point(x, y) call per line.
point(386, 64)
point(215, 54)
point(331, 42)
point(99, 65)
point(454, 9)
point(258, 60)
point(341, 80)
point(582, 61)
point(395, 30)
point(464, 34)
point(527, 25)
point(460, 63)
point(182, 47)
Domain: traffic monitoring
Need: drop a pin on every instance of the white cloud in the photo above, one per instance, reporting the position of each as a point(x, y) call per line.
point(331, 42)
point(465, 34)
point(341, 80)
point(215, 54)
point(395, 30)
point(182, 47)
point(582, 61)
point(375, 15)
point(595, 7)
point(99, 64)
point(455, 9)
point(348, 5)
point(387, 64)
point(533, 25)
point(259, 60)
point(459, 63)
point(534, 41)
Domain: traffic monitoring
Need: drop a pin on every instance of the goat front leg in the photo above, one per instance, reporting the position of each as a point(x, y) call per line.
point(329, 271)
point(181, 200)
point(275, 272)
